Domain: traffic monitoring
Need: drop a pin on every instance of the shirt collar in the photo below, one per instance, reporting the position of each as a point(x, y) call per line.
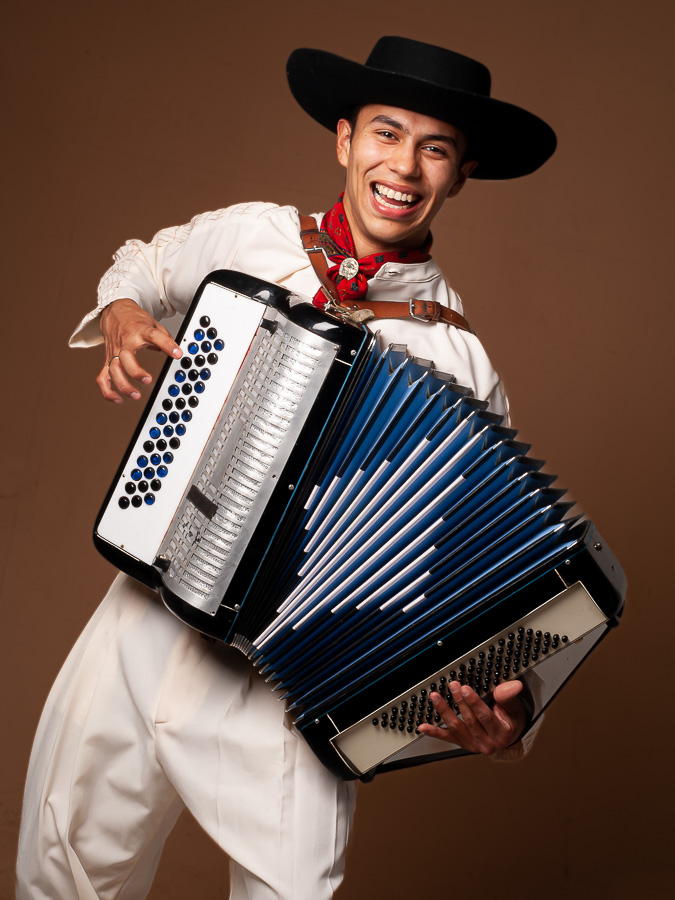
point(408, 272)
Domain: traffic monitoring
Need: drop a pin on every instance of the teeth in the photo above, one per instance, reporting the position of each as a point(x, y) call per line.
point(384, 191)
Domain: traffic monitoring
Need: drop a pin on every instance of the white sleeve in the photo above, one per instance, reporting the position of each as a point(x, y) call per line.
point(162, 275)
point(475, 368)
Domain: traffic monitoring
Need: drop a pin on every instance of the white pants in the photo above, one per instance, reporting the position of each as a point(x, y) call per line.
point(146, 717)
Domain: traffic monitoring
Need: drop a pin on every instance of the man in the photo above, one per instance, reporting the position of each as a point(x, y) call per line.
point(146, 717)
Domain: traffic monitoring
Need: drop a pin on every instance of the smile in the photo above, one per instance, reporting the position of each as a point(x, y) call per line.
point(393, 199)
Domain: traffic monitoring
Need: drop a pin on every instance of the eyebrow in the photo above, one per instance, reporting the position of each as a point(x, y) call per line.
point(386, 120)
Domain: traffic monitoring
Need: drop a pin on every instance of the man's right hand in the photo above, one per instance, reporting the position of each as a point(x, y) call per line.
point(127, 329)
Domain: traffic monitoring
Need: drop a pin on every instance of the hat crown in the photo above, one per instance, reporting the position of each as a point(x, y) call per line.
point(426, 62)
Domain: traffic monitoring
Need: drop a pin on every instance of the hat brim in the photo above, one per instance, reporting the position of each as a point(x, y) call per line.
point(507, 141)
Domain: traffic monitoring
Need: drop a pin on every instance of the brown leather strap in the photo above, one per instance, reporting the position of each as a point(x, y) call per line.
point(422, 310)
point(309, 235)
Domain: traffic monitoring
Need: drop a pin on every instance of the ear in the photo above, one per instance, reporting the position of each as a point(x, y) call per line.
point(464, 172)
point(344, 139)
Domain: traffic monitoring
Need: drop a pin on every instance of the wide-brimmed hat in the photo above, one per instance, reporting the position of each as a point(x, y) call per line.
point(507, 141)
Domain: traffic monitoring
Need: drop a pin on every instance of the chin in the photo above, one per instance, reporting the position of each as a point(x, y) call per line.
point(395, 234)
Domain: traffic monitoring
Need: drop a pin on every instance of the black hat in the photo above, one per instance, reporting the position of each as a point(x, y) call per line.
point(507, 141)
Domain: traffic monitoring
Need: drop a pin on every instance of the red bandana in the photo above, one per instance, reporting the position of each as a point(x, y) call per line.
point(337, 241)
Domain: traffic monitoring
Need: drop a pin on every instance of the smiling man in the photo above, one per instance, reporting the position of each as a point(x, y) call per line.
point(145, 717)
point(401, 167)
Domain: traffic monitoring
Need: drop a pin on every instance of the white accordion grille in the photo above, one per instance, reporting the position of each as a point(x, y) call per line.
point(252, 429)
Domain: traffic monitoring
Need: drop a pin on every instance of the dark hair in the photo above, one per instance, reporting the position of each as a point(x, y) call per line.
point(352, 116)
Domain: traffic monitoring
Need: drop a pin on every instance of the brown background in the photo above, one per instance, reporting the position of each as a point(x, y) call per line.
point(123, 118)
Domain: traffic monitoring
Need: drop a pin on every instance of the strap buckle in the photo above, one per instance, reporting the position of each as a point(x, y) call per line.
point(430, 310)
point(354, 315)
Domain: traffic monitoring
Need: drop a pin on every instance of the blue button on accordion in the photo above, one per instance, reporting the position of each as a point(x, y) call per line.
point(355, 522)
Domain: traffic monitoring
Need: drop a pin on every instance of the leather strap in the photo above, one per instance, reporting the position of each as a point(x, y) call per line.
point(311, 241)
point(316, 242)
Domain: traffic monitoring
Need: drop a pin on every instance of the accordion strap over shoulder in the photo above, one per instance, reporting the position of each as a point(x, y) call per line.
point(424, 310)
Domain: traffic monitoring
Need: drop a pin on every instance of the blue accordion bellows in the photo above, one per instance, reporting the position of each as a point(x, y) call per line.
point(431, 511)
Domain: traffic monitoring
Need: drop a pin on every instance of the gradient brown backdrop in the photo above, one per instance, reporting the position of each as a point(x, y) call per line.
point(124, 118)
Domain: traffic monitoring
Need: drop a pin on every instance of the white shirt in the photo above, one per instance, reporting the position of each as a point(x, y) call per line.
point(263, 239)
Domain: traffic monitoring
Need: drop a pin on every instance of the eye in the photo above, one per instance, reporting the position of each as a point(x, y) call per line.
point(441, 151)
point(386, 134)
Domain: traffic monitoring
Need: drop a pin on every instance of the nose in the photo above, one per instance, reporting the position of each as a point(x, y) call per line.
point(404, 159)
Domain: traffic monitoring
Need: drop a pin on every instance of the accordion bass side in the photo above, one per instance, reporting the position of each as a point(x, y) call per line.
point(355, 523)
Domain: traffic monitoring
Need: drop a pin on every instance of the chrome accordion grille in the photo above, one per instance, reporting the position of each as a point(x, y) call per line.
point(251, 442)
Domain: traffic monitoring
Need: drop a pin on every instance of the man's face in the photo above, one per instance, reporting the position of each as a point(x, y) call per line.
point(400, 167)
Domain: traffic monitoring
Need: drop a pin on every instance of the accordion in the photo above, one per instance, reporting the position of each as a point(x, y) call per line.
point(355, 522)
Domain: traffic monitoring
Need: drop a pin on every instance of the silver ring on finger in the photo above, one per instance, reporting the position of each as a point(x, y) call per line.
point(111, 359)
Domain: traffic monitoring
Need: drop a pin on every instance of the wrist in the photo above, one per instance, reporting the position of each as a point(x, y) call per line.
point(120, 303)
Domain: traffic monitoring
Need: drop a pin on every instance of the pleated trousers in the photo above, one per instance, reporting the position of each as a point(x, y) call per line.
point(146, 718)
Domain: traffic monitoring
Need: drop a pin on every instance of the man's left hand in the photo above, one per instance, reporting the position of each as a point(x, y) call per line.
point(481, 729)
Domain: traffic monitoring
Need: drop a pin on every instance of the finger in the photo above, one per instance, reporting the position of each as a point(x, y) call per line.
point(480, 729)
point(507, 691)
point(159, 338)
point(119, 380)
point(508, 709)
point(132, 369)
point(104, 385)
point(155, 337)
point(486, 730)
point(441, 734)
point(455, 730)
point(502, 724)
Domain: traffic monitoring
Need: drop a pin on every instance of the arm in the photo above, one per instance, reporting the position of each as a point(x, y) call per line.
point(150, 281)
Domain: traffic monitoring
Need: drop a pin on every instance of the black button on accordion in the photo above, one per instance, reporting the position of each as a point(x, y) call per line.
point(354, 522)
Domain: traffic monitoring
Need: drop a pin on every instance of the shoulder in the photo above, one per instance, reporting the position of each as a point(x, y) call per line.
point(451, 297)
point(240, 214)
point(251, 211)
point(256, 210)
point(265, 221)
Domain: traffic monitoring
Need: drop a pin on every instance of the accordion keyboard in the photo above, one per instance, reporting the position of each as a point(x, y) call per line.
point(537, 637)
point(178, 423)
point(182, 396)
